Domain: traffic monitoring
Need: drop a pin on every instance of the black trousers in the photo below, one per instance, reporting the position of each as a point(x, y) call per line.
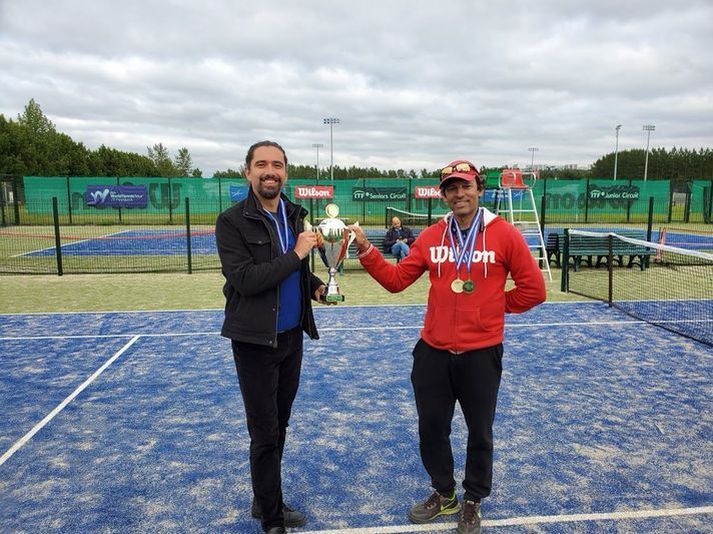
point(269, 378)
point(439, 379)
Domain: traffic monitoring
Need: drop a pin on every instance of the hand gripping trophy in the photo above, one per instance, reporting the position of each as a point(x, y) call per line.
point(334, 248)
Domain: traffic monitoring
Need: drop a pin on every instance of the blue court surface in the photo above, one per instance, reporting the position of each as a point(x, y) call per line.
point(153, 242)
point(132, 422)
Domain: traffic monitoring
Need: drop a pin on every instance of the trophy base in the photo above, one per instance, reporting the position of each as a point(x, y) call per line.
point(334, 298)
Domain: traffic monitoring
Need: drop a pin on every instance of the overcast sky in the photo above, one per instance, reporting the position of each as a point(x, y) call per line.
point(415, 84)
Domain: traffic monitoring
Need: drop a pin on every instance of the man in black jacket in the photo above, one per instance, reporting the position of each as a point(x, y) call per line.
point(263, 251)
point(398, 239)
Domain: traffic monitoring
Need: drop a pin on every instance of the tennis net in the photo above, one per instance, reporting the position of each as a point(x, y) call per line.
point(410, 219)
point(670, 287)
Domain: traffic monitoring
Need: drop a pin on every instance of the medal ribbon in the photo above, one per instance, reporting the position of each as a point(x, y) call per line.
point(281, 211)
point(467, 246)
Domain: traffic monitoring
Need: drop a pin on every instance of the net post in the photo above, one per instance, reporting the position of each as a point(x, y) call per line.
point(311, 222)
point(188, 237)
point(57, 238)
point(16, 199)
point(586, 202)
point(117, 184)
point(69, 201)
point(170, 201)
point(3, 201)
point(610, 265)
point(628, 206)
point(670, 203)
point(564, 283)
point(687, 208)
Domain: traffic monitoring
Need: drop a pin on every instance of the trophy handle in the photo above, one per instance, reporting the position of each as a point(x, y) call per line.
point(352, 237)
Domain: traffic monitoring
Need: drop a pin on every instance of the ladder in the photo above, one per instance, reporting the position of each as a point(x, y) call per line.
point(523, 215)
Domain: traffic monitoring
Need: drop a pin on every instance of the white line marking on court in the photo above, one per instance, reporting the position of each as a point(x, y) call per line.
point(352, 329)
point(67, 245)
point(531, 520)
point(327, 309)
point(27, 437)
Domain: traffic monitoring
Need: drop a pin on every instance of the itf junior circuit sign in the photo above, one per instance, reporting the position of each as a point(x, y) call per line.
point(617, 192)
point(117, 196)
point(314, 191)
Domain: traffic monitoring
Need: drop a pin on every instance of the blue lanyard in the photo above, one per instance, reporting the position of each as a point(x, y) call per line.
point(467, 246)
point(281, 211)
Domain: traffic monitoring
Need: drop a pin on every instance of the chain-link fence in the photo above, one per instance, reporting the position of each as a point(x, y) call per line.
point(51, 225)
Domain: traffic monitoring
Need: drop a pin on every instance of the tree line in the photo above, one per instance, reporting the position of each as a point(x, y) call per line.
point(32, 146)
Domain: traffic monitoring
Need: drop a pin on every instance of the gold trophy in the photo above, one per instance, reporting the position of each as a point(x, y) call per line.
point(333, 250)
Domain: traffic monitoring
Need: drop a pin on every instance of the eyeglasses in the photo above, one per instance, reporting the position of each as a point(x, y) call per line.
point(460, 167)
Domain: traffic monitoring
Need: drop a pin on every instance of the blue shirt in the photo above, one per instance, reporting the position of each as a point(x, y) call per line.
point(290, 310)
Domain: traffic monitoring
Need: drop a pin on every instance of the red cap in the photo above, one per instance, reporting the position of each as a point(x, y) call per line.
point(451, 171)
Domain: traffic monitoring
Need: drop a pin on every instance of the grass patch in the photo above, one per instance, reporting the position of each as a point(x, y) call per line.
point(169, 291)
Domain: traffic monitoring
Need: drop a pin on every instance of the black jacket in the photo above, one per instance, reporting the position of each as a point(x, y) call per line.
point(254, 267)
point(392, 234)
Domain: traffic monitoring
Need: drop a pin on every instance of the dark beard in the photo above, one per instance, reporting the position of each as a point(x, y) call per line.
point(269, 194)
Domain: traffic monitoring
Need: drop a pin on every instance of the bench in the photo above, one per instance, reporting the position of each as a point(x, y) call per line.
point(586, 248)
point(552, 248)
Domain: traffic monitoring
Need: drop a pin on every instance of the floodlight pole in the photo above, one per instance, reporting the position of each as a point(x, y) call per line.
point(533, 149)
point(317, 146)
point(648, 128)
point(616, 149)
point(331, 121)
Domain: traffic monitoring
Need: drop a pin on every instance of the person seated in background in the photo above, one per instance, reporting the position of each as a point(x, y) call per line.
point(398, 239)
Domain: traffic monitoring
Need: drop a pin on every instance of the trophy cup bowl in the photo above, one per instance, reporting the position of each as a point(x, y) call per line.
point(334, 248)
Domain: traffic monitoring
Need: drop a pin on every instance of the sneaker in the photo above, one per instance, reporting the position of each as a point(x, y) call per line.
point(276, 530)
point(292, 518)
point(436, 505)
point(469, 518)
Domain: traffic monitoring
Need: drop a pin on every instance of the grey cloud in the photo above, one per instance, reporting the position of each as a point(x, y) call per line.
point(414, 82)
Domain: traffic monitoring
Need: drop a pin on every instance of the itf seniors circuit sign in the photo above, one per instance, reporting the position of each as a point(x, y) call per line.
point(117, 196)
point(382, 194)
point(314, 191)
point(427, 191)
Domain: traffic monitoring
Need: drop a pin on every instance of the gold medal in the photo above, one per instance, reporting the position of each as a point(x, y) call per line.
point(468, 286)
point(457, 286)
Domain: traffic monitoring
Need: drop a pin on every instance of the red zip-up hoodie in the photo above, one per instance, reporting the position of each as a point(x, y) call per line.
point(460, 322)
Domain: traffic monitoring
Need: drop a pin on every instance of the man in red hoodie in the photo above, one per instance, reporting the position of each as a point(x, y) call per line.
point(468, 255)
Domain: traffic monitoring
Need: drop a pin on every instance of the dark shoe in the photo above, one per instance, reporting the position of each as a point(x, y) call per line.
point(293, 518)
point(469, 518)
point(276, 530)
point(436, 505)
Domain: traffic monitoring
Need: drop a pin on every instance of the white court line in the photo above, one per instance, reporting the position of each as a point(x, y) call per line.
point(68, 244)
point(325, 308)
point(528, 520)
point(355, 329)
point(27, 437)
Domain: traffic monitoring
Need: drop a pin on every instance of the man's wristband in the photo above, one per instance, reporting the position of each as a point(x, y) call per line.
point(367, 251)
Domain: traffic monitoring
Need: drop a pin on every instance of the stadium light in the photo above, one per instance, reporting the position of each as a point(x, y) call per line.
point(331, 121)
point(648, 128)
point(317, 146)
point(616, 149)
point(533, 149)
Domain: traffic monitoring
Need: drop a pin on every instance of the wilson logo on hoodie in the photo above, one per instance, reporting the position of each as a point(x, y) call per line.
point(441, 254)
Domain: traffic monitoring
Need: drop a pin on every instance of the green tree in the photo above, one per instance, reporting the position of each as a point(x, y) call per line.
point(161, 159)
point(35, 120)
point(183, 162)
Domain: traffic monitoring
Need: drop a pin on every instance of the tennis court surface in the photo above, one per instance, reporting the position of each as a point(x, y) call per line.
point(132, 422)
